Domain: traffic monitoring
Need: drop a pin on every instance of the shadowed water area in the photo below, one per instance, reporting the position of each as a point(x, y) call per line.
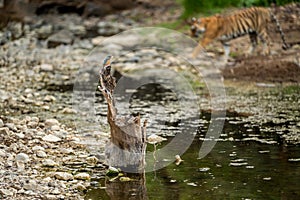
point(256, 156)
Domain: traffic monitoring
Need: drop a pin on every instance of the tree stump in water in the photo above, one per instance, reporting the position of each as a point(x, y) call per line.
point(127, 146)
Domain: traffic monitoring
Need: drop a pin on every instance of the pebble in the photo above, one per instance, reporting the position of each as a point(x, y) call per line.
point(46, 67)
point(38, 148)
point(31, 185)
point(82, 176)
point(32, 124)
point(6, 192)
point(55, 191)
point(80, 187)
point(51, 138)
point(22, 157)
point(11, 126)
point(92, 160)
point(64, 176)
point(49, 98)
point(68, 111)
point(2, 153)
point(41, 154)
point(1, 123)
point(55, 128)
point(4, 131)
point(49, 163)
point(51, 122)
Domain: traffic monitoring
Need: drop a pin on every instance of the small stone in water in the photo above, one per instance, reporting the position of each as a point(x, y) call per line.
point(112, 171)
point(125, 179)
point(204, 169)
point(1, 123)
point(267, 178)
point(192, 184)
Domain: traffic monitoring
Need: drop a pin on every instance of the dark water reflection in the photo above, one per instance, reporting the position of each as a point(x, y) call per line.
point(233, 170)
point(250, 160)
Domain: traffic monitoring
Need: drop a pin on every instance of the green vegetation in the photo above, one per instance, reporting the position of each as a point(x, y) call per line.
point(192, 7)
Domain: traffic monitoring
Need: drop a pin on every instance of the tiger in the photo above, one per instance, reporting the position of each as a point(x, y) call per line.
point(252, 21)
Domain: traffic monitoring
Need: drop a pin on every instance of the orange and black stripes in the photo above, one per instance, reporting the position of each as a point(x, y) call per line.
point(252, 21)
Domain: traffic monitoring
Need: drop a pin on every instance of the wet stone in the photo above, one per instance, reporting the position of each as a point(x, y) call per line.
point(1, 123)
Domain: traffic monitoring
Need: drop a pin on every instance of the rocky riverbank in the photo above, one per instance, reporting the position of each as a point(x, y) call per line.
point(51, 149)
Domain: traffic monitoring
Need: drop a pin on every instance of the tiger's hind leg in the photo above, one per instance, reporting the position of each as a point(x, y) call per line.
point(266, 42)
point(253, 40)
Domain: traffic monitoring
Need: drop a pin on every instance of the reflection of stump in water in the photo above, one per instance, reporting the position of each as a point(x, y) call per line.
point(135, 189)
point(127, 146)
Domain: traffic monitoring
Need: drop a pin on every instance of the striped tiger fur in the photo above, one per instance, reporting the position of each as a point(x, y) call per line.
point(252, 21)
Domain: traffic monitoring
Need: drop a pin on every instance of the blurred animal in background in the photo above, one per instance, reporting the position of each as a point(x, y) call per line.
point(252, 21)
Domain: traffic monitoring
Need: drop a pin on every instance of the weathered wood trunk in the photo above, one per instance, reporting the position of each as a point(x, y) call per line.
point(126, 149)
